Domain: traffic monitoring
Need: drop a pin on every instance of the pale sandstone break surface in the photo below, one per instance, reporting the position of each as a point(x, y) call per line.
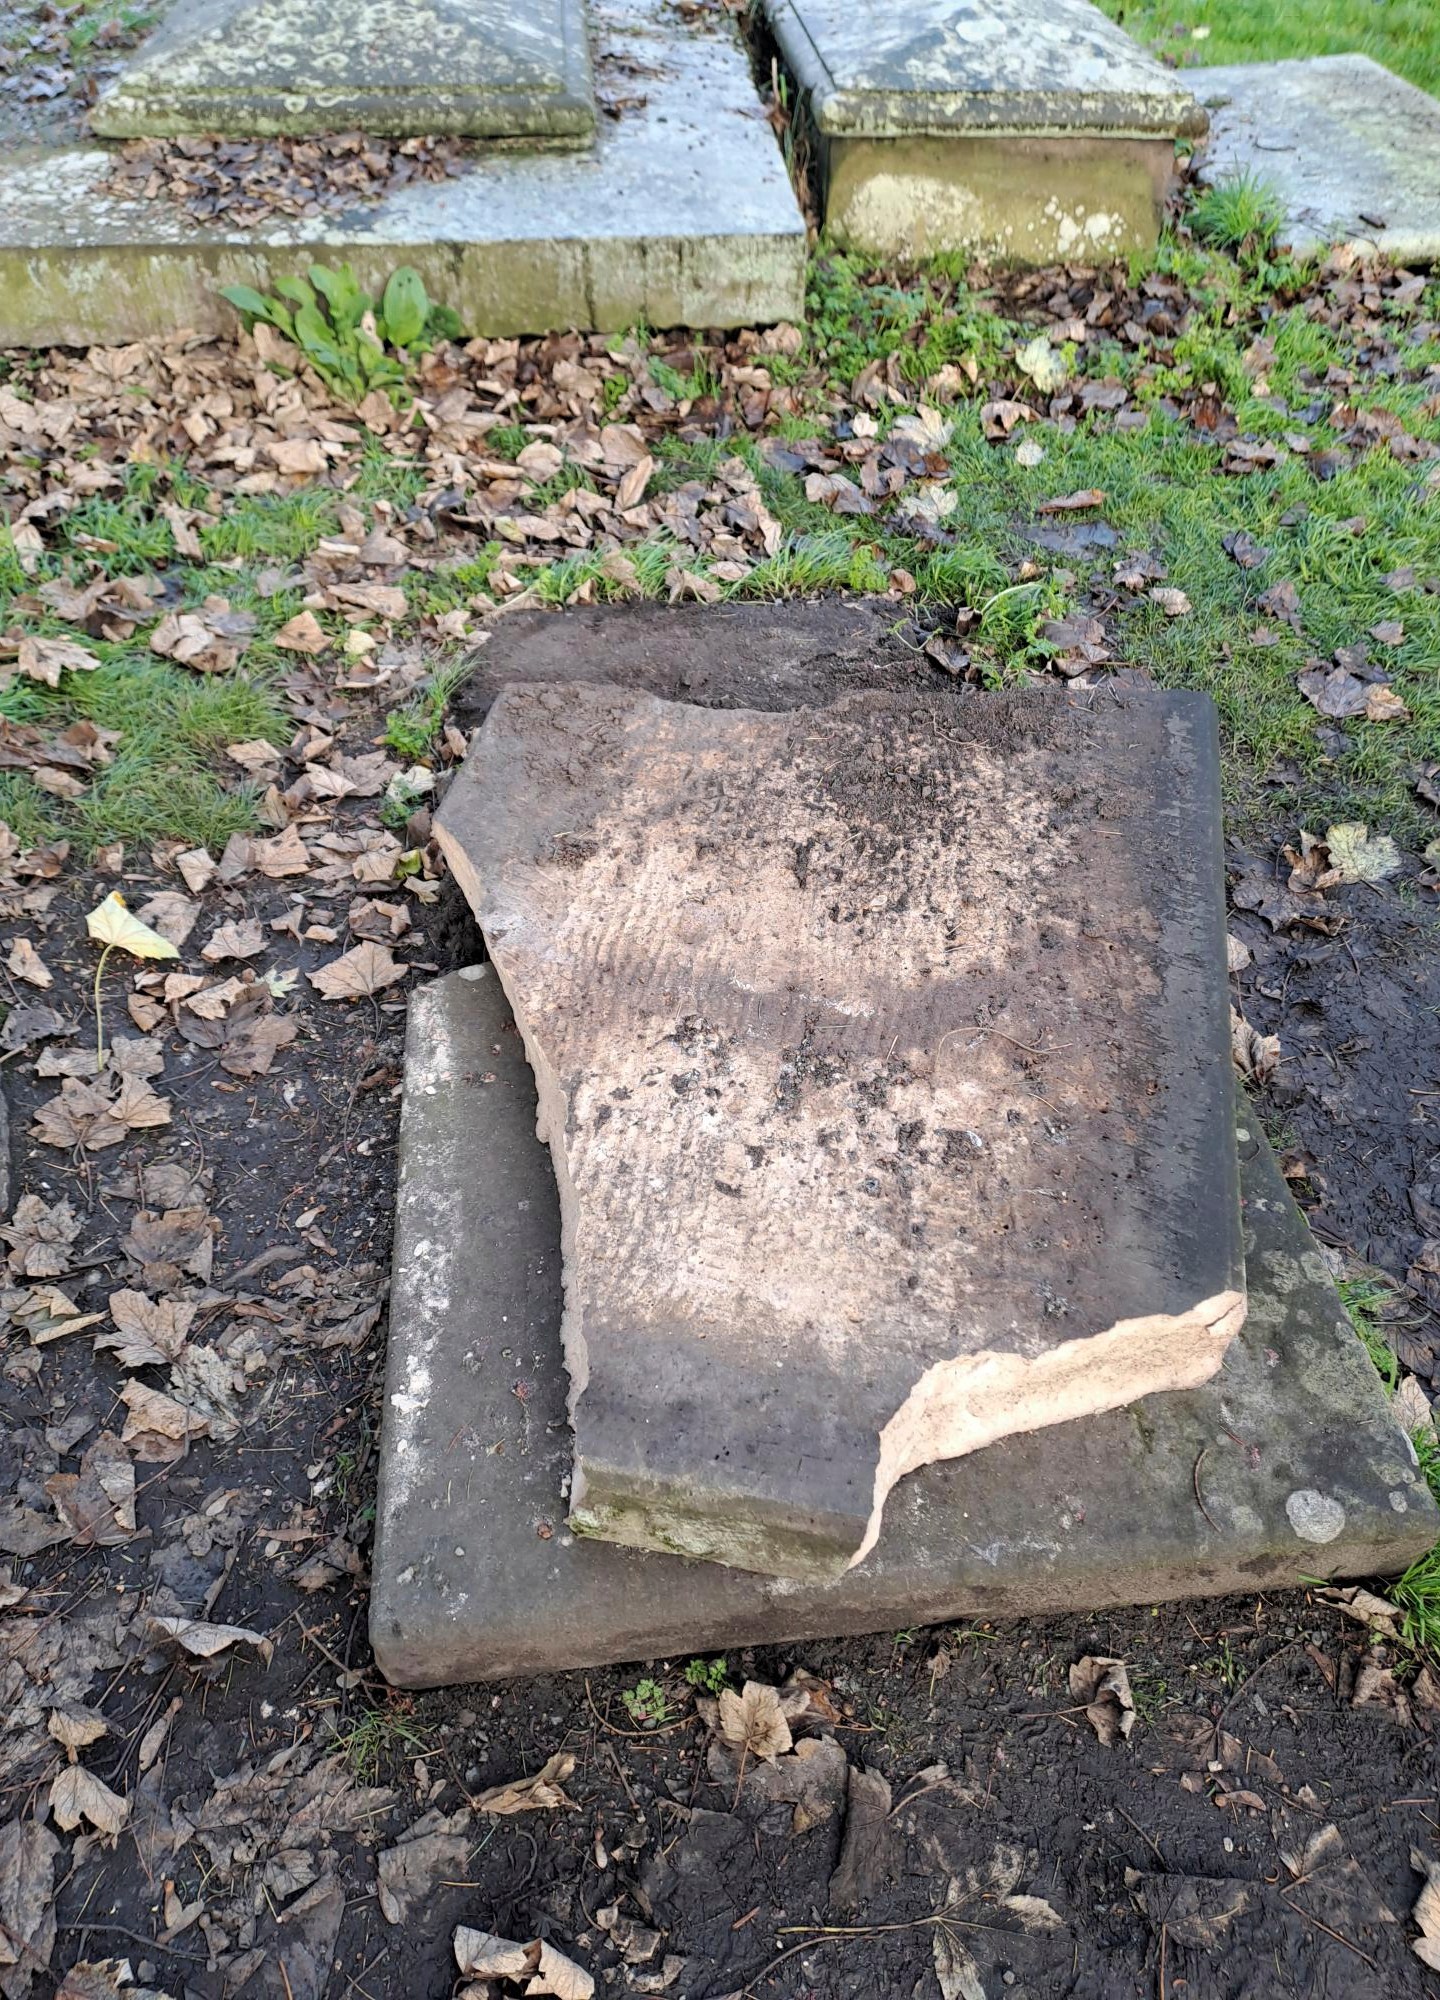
point(882, 1056)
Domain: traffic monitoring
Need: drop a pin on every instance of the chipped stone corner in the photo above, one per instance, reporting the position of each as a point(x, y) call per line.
point(961, 1405)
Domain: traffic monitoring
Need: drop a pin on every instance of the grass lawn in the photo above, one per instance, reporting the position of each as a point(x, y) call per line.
point(1402, 34)
point(1286, 372)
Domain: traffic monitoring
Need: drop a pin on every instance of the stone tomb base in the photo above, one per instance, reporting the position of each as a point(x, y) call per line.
point(1287, 1465)
point(1028, 129)
point(678, 212)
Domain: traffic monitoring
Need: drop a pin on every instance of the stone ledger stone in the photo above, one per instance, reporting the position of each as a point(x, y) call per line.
point(1352, 152)
point(1303, 1470)
point(882, 1053)
point(482, 68)
point(680, 213)
point(1033, 128)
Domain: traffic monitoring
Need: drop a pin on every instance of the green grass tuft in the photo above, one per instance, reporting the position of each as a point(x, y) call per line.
point(1242, 215)
point(410, 731)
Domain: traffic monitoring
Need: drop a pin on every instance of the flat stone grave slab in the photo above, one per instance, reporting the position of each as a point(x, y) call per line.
point(1033, 128)
point(886, 1077)
point(481, 68)
point(1287, 1465)
point(678, 212)
point(1352, 151)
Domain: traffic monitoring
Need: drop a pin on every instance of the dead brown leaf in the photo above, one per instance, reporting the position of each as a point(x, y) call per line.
point(1102, 1684)
point(77, 1794)
point(1256, 1056)
point(537, 1967)
point(97, 1115)
point(545, 1792)
point(148, 1332)
point(303, 634)
point(1427, 1910)
point(26, 963)
point(46, 659)
point(40, 1234)
point(97, 1503)
point(757, 1720)
point(365, 969)
point(235, 939)
point(1074, 503)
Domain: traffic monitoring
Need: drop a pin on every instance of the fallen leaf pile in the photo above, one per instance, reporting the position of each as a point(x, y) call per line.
point(243, 182)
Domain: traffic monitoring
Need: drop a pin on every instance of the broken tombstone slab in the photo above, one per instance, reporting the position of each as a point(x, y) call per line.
point(883, 1056)
point(1287, 1465)
point(407, 68)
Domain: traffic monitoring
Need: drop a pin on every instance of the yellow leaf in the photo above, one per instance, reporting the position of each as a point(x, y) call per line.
point(111, 923)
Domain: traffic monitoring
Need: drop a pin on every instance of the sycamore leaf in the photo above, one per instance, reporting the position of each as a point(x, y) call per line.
point(85, 1114)
point(74, 1728)
point(367, 968)
point(482, 1955)
point(1256, 1056)
point(956, 1972)
point(26, 963)
point(78, 1794)
point(1045, 367)
point(110, 923)
point(1174, 603)
point(1357, 855)
point(232, 939)
point(46, 1313)
point(148, 1333)
point(1427, 1910)
point(302, 634)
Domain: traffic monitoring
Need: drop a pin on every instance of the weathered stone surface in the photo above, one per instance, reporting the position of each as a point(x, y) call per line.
point(883, 1057)
point(484, 68)
point(680, 213)
point(1030, 129)
point(476, 1576)
point(1352, 152)
point(1037, 67)
point(1029, 199)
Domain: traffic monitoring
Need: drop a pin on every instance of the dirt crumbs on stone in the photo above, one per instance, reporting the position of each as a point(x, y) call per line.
point(246, 181)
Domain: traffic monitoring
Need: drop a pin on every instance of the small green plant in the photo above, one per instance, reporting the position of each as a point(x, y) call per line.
point(379, 1734)
point(404, 797)
point(1225, 1666)
point(1417, 1594)
point(1365, 1299)
point(353, 342)
point(708, 1676)
point(410, 731)
point(1242, 216)
point(647, 1704)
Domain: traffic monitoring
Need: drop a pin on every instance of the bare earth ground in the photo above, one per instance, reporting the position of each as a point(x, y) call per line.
point(1249, 1743)
point(207, 1791)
